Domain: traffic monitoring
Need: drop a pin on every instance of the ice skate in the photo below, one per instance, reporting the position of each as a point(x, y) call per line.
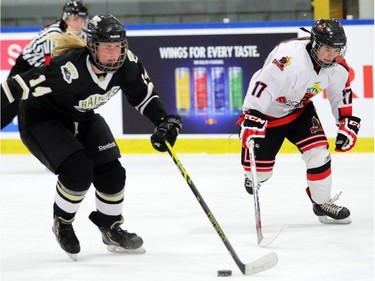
point(330, 213)
point(65, 236)
point(248, 186)
point(117, 239)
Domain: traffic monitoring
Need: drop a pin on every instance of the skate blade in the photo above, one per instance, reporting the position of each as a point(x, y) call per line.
point(327, 220)
point(72, 256)
point(121, 250)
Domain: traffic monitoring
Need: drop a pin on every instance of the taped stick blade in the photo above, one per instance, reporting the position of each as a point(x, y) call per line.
point(261, 264)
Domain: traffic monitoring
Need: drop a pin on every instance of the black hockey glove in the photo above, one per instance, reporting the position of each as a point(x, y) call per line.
point(347, 133)
point(168, 130)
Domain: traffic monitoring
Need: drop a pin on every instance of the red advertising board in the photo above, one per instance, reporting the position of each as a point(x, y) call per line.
point(10, 50)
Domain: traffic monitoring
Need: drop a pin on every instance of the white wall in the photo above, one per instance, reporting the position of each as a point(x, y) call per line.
point(366, 9)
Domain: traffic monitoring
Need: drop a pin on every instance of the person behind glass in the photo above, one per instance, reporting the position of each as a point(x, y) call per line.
point(59, 126)
point(38, 51)
point(278, 105)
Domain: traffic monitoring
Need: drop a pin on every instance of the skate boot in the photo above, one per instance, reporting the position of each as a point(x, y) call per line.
point(65, 236)
point(329, 212)
point(249, 186)
point(117, 239)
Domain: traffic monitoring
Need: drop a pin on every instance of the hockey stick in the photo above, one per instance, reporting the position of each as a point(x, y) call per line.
point(258, 265)
point(262, 241)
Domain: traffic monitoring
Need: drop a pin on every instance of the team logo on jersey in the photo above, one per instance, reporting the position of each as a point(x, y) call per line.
point(316, 125)
point(96, 100)
point(282, 63)
point(314, 90)
point(293, 103)
point(281, 99)
point(69, 72)
point(131, 56)
point(310, 92)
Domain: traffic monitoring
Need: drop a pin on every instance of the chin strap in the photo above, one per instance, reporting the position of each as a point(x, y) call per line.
point(304, 29)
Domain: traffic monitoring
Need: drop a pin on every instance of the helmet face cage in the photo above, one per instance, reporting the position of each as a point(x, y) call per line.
point(106, 29)
point(328, 33)
point(75, 8)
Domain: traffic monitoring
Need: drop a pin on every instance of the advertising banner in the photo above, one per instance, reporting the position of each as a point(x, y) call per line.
point(202, 73)
point(203, 78)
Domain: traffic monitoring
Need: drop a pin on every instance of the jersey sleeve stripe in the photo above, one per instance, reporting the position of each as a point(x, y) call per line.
point(7, 92)
point(22, 84)
point(146, 103)
point(147, 99)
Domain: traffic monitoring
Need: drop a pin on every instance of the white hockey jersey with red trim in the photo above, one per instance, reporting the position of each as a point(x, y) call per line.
point(288, 80)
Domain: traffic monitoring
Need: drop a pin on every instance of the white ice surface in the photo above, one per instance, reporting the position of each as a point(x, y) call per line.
point(180, 242)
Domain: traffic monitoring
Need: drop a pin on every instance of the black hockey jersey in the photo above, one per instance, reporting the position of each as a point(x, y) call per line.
point(69, 89)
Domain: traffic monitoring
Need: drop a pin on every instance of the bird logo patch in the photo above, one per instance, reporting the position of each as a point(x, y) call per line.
point(282, 63)
point(69, 72)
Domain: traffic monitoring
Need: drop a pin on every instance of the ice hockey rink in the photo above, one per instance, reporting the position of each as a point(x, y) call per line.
point(180, 242)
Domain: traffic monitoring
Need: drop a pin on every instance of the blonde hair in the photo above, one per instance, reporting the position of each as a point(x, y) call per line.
point(65, 42)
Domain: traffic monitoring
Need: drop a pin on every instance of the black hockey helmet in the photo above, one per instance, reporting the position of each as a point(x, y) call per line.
point(75, 8)
point(330, 33)
point(106, 29)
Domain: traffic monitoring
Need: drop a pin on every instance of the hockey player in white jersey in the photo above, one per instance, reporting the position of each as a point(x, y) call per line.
point(278, 105)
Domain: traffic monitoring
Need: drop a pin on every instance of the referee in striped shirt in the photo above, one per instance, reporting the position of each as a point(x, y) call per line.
point(38, 51)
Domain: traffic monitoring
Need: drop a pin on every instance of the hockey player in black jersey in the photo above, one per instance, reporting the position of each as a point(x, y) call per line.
point(38, 52)
point(58, 125)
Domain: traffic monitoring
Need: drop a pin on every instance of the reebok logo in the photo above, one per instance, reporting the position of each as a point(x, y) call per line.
point(107, 146)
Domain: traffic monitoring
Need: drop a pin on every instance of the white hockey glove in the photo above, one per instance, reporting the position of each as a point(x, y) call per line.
point(253, 125)
point(347, 133)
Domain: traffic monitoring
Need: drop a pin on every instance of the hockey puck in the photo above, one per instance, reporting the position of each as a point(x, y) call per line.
point(224, 273)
